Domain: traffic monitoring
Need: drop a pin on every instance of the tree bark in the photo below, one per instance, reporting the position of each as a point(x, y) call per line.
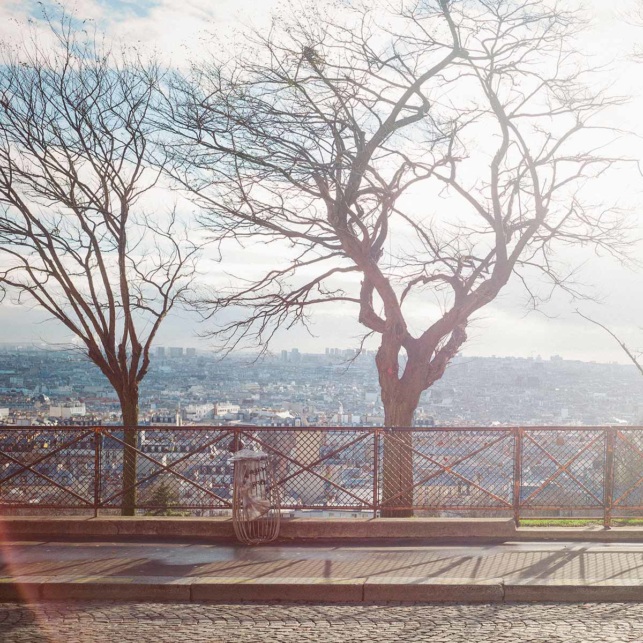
point(129, 408)
point(397, 464)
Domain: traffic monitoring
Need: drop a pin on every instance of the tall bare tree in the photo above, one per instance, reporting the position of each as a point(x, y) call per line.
point(76, 236)
point(428, 153)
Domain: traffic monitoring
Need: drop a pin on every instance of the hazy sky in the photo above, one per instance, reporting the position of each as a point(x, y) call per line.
point(183, 28)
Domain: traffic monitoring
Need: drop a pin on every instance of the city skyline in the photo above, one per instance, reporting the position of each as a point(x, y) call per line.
point(317, 389)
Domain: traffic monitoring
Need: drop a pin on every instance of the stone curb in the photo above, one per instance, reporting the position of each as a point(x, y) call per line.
point(36, 528)
point(372, 590)
point(302, 529)
point(545, 591)
point(435, 590)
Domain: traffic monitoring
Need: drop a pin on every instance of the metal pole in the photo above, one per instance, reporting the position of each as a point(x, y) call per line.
point(376, 466)
point(517, 473)
point(610, 441)
point(97, 466)
point(236, 441)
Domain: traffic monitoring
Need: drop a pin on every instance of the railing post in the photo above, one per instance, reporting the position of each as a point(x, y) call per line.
point(608, 497)
point(517, 473)
point(376, 467)
point(98, 443)
point(237, 444)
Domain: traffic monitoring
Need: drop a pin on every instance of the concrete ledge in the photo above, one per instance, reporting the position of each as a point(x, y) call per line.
point(301, 529)
point(22, 589)
point(215, 589)
point(416, 528)
point(53, 526)
point(117, 589)
point(373, 590)
point(278, 589)
point(540, 590)
point(168, 527)
point(412, 590)
point(38, 527)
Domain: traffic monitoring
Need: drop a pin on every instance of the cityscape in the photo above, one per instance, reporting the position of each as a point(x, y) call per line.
point(44, 386)
point(325, 306)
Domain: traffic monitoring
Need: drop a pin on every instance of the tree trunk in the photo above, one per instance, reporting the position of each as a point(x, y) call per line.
point(397, 464)
point(129, 407)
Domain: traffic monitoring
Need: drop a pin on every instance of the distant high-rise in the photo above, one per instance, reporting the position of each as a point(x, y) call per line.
point(295, 355)
point(176, 351)
point(160, 351)
point(284, 356)
point(190, 352)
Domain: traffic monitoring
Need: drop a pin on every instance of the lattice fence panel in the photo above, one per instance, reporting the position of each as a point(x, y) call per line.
point(319, 468)
point(450, 469)
point(175, 469)
point(46, 468)
point(562, 469)
point(628, 471)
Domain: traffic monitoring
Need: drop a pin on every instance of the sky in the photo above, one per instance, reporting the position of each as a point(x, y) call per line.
point(506, 327)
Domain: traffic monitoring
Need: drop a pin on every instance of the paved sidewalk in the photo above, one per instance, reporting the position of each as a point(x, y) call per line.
point(288, 623)
point(136, 571)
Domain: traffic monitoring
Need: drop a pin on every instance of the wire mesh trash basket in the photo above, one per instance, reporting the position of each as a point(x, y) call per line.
point(256, 513)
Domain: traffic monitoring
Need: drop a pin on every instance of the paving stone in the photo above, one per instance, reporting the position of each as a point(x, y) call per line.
point(74, 622)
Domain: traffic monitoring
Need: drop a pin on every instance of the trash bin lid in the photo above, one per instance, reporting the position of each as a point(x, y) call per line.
point(248, 454)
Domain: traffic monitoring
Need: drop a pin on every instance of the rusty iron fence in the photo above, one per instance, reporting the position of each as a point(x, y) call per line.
point(521, 472)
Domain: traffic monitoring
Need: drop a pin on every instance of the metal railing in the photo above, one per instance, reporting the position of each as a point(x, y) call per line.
point(521, 472)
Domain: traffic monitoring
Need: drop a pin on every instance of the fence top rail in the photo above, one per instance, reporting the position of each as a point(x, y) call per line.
point(339, 429)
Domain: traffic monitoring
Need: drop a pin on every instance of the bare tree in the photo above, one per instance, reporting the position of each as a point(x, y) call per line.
point(75, 234)
point(428, 153)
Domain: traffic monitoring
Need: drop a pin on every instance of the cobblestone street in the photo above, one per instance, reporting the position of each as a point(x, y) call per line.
point(250, 623)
